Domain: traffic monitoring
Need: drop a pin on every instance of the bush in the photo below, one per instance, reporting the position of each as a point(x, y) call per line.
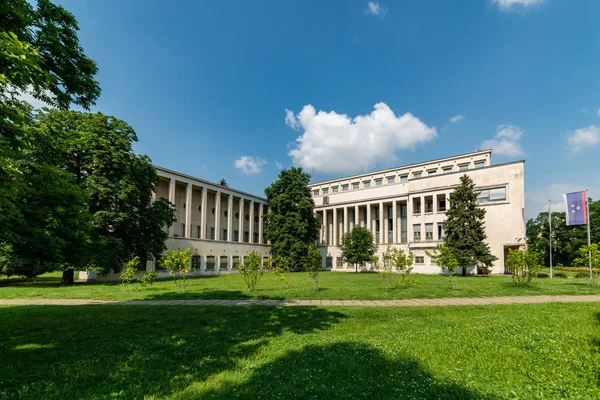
point(446, 260)
point(129, 272)
point(542, 275)
point(251, 270)
point(582, 274)
point(177, 262)
point(281, 268)
point(313, 264)
point(148, 278)
point(559, 275)
point(525, 265)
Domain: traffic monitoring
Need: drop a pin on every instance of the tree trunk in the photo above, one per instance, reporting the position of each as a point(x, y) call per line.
point(68, 277)
point(356, 268)
point(464, 271)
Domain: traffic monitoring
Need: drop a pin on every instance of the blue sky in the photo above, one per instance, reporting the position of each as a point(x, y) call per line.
point(207, 83)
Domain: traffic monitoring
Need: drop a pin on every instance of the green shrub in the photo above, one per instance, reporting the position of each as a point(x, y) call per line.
point(148, 278)
point(559, 275)
point(542, 275)
point(251, 270)
point(582, 274)
point(281, 268)
point(177, 262)
point(446, 260)
point(129, 272)
point(313, 263)
point(525, 264)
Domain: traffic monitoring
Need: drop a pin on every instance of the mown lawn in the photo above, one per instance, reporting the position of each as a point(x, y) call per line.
point(183, 352)
point(335, 286)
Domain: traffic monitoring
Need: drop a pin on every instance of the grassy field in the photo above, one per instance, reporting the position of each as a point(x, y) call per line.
point(179, 352)
point(335, 286)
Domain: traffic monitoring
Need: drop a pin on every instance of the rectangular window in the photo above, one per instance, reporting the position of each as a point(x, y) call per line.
point(334, 189)
point(355, 185)
point(339, 262)
point(417, 175)
point(236, 236)
point(403, 178)
point(246, 237)
point(316, 192)
point(403, 224)
point(429, 231)
point(463, 167)
point(378, 182)
point(196, 260)
point(344, 188)
point(224, 234)
point(391, 179)
point(328, 262)
point(210, 263)
point(479, 164)
point(255, 238)
point(223, 262)
point(212, 233)
point(441, 200)
point(367, 184)
point(325, 191)
point(417, 232)
point(198, 231)
point(183, 232)
point(429, 205)
point(419, 260)
point(447, 170)
point(235, 261)
point(432, 172)
point(493, 194)
point(417, 206)
point(441, 232)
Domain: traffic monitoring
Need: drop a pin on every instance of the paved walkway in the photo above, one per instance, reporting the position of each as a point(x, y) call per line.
point(455, 301)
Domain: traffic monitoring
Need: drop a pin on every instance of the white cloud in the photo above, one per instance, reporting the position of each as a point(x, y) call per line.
point(290, 120)
point(336, 143)
point(374, 8)
point(516, 5)
point(278, 165)
point(249, 164)
point(584, 138)
point(506, 142)
point(538, 200)
point(598, 112)
point(35, 103)
point(457, 118)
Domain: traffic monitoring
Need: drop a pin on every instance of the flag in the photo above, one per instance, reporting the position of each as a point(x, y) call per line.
point(576, 208)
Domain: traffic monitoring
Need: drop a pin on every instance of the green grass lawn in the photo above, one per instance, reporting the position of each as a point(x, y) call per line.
point(183, 352)
point(335, 285)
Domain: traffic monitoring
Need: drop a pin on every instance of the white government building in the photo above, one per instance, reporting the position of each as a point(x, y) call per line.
point(405, 207)
point(223, 225)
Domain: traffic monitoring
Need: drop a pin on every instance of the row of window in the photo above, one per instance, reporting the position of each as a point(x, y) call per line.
point(210, 233)
point(339, 262)
point(212, 263)
point(226, 214)
point(392, 179)
point(428, 232)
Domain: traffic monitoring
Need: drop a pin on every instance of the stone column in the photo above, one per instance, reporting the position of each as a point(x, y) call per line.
point(260, 223)
point(335, 227)
point(217, 218)
point(172, 200)
point(251, 217)
point(241, 221)
point(369, 222)
point(381, 224)
point(204, 206)
point(356, 217)
point(394, 223)
point(346, 220)
point(230, 220)
point(188, 211)
point(325, 229)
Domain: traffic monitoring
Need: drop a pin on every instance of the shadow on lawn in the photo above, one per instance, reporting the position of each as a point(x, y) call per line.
point(134, 352)
point(341, 370)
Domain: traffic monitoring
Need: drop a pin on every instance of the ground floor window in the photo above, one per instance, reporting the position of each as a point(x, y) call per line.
point(419, 260)
point(339, 262)
point(196, 260)
point(235, 261)
point(266, 262)
point(328, 262)
point(236, 236)
point(210, 263)
point(224, 262)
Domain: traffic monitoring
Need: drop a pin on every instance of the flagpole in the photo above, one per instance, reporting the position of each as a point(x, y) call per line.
point(587, 205)
point(550, 233)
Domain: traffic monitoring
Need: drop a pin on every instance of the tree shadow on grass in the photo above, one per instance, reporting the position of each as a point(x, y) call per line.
point(133, 352)
point(344, 370)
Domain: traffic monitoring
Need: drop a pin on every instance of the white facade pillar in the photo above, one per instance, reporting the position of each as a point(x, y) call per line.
point(241, 222)
point(325, 229)
point(172, 187)
point(203, 225)
point(394, 223)
point(230, 221)
point(260, 223)
point(356, 217)
point(369, 223)
point(251, 229)
point(335, 228)
point(217, 220)
point(188, 211)
point(381, 224)
point(346, 220)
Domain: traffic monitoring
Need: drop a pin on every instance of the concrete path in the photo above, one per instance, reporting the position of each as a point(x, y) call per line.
point(452, 301)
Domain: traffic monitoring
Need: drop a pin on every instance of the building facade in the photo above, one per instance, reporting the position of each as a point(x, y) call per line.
point(405, 207)
point(220, 224)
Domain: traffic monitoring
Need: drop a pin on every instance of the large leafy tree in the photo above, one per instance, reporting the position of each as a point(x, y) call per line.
point(95, 151)
point(358, 246)
point(465, 229)
point(291, 224)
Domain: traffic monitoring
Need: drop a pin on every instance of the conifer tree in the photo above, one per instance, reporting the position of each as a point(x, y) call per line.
point(465, 229)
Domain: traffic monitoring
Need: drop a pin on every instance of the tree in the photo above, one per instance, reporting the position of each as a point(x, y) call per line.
point(358, 246)
point(223, 183)
point(524, 265)
point(291, 226)
point(40, 55)
point(444, 257)
point(313, 262)
point(281, 268)
point(177, 262)
point(465, 229)
point(95, 154)
point(251, 270)
point(587, 254)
